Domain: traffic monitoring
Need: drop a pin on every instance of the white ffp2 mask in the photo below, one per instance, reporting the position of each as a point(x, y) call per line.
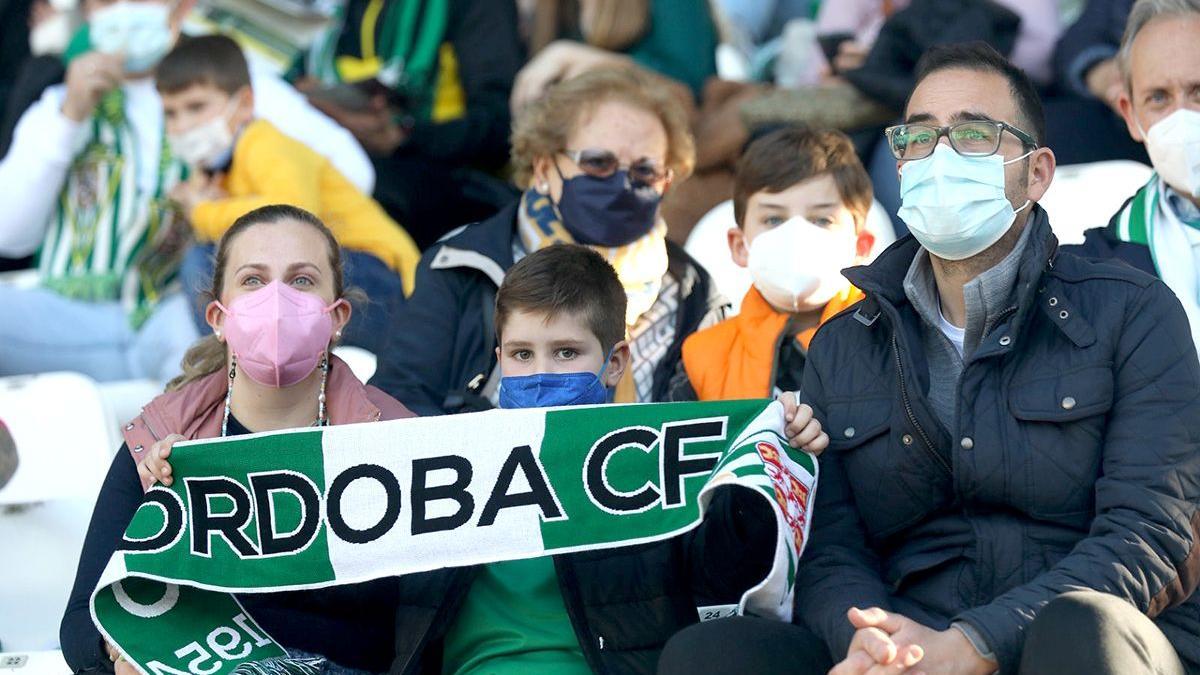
point(1173, 144)
point(797, 266)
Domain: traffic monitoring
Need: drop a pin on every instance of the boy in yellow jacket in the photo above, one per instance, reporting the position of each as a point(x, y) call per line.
point(800, 200)
point(239, 163)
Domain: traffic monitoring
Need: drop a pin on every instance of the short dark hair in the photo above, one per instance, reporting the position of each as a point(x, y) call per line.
point(787, 156)
point(981, 57)
point(566, 278)
point(208, 59)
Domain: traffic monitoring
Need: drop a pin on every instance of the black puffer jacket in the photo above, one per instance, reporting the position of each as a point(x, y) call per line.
point(624, 603)
point(440, 355)
point(1074, 461)
point(1104, 244)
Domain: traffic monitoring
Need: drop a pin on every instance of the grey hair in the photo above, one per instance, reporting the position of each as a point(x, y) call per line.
point(1143, 12)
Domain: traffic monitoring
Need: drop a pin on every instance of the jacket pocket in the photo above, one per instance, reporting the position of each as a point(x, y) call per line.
point(854, 423)
point(889, 474)
point(1064, 396)
point(1060, 419)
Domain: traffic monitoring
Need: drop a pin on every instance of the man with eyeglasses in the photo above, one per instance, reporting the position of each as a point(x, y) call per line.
point(1013, 478)
point(1158, 229)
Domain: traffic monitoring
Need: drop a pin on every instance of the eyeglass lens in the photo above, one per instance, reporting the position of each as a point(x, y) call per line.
point(917, 141)
point(603, 163)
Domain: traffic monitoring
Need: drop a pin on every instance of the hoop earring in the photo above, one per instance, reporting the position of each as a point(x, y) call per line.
point(229, 395)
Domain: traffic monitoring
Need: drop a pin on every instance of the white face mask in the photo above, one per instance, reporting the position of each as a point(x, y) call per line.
point(51, 37)
point(1174, 147)
point(201, 146)
point(797, 266)
point(139, 30)
point(955, 205)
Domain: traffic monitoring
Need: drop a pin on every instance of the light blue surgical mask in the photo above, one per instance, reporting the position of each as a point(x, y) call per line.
point(549, 390)
point(139, 30)
point(955, 205)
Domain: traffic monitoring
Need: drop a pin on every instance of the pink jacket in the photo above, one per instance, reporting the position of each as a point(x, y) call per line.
point(195, 411)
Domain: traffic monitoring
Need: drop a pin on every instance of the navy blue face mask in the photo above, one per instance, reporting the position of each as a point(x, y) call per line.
point(610, 211)
point(549, 390)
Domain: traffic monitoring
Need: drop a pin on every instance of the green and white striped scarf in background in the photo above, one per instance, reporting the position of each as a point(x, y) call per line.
point(405, 59)
point(107, 239)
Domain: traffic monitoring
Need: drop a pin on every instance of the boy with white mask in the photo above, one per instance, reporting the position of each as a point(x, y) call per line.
point(88, 175)
point(800, 201)
point(1158, 229)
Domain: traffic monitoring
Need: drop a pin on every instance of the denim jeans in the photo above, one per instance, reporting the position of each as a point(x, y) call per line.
point(44, 332)
point(369, 321)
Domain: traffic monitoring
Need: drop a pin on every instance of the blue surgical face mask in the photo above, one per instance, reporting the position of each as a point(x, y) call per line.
point(139, 30)
point(549, 390)
point(608, 211)
point(955, 205)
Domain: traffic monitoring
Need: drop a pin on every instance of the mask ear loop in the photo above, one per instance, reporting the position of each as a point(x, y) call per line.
point(607, 360)
point(1017, 159)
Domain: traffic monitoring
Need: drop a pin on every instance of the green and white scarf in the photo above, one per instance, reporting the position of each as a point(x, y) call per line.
point(405, 58)
point(322, 507)
point(1148, 219)
point(107, 239)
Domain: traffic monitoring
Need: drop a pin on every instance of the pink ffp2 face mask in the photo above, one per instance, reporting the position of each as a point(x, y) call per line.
point(278, 333)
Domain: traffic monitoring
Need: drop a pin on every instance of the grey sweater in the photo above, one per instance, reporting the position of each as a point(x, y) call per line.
point(987, 297)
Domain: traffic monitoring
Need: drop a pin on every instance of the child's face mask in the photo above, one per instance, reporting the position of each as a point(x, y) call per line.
point(202, 145)
point(797, 266)
point(550, 390)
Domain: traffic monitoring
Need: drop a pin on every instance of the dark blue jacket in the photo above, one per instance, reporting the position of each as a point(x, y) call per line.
point(1094, 37)
point(440, 355)
point(1102, 243)
point(1073, 461)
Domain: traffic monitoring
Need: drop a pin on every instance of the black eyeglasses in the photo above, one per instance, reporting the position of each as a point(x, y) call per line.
point(977, 138)
point(604, 163)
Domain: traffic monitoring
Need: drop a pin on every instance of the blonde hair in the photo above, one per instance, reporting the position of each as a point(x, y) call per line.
point(209, 354)
point(543, 127)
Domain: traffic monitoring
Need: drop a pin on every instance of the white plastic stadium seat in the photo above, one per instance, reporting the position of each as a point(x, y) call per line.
point(33, 663)
point(707, 243)
point(64, 445)
point(1084, 196)
point(362, 362)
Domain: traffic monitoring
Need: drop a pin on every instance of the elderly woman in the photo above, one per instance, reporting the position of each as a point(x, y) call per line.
point(595, 156)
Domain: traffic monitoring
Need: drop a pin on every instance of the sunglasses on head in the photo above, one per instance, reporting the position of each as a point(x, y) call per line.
point(604, 163)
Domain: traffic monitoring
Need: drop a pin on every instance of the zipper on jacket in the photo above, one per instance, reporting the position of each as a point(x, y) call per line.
point(912, 418)
point(996, 322)
point(568, 585)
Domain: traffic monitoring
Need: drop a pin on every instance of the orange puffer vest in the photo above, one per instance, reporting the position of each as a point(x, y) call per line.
point(736, 358)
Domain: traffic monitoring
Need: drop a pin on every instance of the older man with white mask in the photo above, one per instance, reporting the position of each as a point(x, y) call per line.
point(87, 183)
point(1158, 228)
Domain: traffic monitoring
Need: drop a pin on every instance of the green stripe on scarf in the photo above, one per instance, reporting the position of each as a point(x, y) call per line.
point(1133, 223)
point(410, 34)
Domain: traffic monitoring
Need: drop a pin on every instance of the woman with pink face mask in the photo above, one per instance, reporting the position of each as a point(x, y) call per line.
point(278, 306)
